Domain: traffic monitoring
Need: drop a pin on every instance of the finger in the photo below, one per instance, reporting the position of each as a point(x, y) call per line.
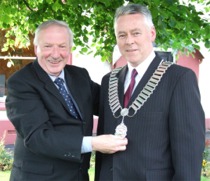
point(122, 148)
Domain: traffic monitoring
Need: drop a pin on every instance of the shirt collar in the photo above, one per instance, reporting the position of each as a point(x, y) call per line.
point(142, 67)
point(54, 77)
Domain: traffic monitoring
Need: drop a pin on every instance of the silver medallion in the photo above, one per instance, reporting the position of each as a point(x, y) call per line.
point(121, 130)
point(124, 112)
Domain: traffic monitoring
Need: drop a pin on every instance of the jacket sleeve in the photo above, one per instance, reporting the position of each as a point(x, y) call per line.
point(187, 128)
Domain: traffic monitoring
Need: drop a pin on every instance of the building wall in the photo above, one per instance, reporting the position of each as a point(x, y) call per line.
point(7, 131)
point(191, 61)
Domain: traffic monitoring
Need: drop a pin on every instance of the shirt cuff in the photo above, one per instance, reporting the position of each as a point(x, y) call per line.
point(86, 144)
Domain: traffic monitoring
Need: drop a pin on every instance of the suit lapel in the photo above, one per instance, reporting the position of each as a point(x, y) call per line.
point(149, 72)
point(72, 84)
point(49, 85)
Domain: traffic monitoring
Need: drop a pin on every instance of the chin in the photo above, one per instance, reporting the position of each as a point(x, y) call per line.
point(55, 71)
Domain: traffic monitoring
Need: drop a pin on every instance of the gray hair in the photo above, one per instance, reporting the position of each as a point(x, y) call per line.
point(49, 23)
point(134, 9)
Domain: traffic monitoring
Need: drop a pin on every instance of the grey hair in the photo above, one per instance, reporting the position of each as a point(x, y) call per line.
point(134, 9)
point(49, 23)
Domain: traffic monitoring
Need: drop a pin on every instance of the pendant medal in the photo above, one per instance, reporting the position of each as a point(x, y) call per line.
point(121, 130)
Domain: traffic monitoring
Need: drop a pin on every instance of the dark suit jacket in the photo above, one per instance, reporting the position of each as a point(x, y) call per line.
point(48, 144)
point(165, 138)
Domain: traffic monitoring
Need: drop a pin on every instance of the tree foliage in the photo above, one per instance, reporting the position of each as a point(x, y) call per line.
point(179, 26)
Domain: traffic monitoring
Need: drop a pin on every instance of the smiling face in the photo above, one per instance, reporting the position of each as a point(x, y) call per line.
point(53, 49)
point(134, 38)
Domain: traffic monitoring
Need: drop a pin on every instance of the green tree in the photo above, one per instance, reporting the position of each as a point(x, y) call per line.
point(179, 26)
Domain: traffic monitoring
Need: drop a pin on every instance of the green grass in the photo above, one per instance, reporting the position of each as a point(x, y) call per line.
point(4, 175)
point(205, 178)
point(91, 173)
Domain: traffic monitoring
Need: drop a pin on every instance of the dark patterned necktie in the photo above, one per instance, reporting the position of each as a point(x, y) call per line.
point(129, 91)
point(60, 83)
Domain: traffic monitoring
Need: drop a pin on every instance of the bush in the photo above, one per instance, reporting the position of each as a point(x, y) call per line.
point(206, 162)
point(6, 156)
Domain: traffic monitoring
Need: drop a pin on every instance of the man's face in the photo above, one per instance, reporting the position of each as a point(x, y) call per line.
point(134, 38)
point(53, 49)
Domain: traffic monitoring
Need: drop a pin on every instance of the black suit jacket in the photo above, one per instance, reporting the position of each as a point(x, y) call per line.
point(49, 139)
point(166, 137)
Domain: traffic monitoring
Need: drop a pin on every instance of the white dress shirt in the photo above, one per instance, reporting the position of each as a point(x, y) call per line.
point(141, 69)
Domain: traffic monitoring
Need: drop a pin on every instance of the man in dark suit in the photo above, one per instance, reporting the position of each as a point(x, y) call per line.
point(54, 140)
point(163, 120)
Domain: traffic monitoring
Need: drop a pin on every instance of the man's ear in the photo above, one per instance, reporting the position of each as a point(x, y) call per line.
point(153, 33)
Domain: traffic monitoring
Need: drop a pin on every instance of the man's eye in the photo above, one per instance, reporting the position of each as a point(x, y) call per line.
point(136, 33)
point(47, 46)
point(121, 36)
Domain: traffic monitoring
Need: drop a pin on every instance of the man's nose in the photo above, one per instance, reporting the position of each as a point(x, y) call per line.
point(129, 39)
point(55, 52)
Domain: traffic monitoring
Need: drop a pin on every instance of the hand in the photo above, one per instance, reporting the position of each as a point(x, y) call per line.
point(109, 143)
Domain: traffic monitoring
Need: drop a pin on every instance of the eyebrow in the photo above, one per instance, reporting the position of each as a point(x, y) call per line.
point(136, 29)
